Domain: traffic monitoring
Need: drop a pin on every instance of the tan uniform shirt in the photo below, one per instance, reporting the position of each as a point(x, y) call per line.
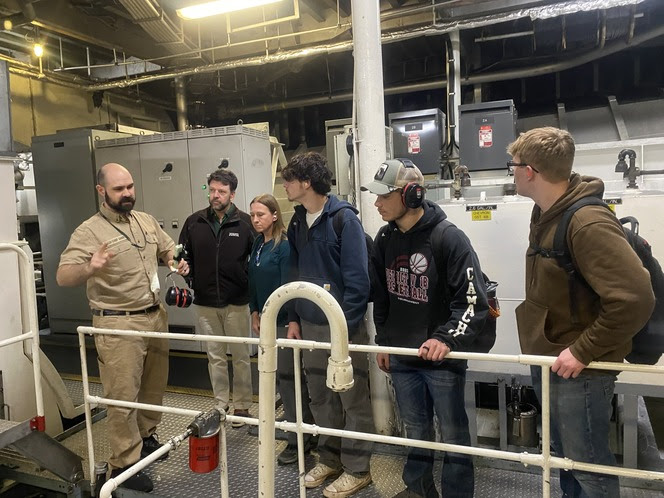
point(129, 281)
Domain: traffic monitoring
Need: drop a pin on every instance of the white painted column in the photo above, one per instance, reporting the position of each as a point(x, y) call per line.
point(370, 116)
point(369, 102)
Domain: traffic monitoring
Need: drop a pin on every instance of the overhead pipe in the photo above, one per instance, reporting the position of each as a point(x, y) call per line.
point(339, 368)
point(490, 77)
point(181, 103)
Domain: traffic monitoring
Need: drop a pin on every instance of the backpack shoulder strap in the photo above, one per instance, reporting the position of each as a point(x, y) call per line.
point(436, 247)
point(338, 222)
point(561, 251)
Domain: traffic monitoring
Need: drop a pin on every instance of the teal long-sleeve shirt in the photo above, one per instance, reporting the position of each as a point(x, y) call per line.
point(268, 270)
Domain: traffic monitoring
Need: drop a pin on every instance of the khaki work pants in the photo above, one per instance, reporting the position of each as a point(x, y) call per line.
point(132, 369)
point(233, 321)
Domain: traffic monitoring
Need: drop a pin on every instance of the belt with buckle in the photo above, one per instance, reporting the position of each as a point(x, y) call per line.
point(125, 313)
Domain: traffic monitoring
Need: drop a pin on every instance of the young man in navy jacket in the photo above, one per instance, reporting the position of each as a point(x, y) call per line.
point(436, 310)
point(338, 263)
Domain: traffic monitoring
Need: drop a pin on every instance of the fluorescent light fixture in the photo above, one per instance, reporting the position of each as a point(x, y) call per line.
point(38, 49)
point(219, 7)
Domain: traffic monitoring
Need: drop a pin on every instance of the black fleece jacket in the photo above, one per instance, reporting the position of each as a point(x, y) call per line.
point(414, 300)
point(218, 264)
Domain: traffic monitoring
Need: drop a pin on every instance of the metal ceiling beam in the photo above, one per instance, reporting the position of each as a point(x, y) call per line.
point(312, 11)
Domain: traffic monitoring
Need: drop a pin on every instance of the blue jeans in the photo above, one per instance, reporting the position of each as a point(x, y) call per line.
point(419, 393)
point(580, 418)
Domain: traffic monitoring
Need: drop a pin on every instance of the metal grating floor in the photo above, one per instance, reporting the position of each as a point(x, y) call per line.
point(172, 477)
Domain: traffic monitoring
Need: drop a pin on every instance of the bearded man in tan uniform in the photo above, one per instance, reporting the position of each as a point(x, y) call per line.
point(115, 253)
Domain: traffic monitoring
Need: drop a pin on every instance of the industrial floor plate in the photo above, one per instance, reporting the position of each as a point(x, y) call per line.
point(172, 477)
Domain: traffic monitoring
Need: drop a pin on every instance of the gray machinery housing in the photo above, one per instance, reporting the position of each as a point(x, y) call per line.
point(339, 161)
point(420, 137)
point(485, 131)
point(170, 172)
point(64, 170)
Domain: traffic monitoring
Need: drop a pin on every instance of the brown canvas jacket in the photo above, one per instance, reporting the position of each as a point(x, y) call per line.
point(615, 304)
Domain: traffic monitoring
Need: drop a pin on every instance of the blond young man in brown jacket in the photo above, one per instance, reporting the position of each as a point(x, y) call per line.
point(614, 305)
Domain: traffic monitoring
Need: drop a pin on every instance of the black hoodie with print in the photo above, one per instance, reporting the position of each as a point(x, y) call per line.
point(411, 303)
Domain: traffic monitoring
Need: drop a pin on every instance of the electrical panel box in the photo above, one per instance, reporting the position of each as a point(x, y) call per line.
point(171, 172)
point(485, 131)
point(337, 133)
point(65, 178)
point(420, 137)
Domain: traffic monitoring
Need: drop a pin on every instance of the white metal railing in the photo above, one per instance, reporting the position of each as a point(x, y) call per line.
point(29, 322)
point(267, 424)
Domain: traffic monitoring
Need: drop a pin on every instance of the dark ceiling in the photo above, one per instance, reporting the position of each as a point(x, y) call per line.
point(253, 66)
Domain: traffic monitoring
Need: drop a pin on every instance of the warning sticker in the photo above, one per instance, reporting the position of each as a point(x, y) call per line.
point(486, 136)
point(414, 143)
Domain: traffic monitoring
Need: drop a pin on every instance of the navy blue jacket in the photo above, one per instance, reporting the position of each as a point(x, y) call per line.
point(336, 264)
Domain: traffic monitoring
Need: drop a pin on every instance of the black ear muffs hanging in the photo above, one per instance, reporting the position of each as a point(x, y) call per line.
point(181, 297)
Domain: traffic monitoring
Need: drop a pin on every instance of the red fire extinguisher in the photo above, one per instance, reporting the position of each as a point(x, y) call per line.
point(204, 442)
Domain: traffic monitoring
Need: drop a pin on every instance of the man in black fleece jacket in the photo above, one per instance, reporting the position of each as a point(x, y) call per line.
point(218, 241)
point(436, 310)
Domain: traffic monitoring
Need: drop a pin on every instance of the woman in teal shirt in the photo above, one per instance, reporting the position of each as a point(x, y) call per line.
point(268, 270)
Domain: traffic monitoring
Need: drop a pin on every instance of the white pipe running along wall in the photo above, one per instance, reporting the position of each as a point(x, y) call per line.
point(339, 368)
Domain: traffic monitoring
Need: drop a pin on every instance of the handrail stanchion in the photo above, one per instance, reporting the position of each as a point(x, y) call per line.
point(223, 466)
point(29, 319)
point(86, 405)
point(546, 432)
point(297, 372)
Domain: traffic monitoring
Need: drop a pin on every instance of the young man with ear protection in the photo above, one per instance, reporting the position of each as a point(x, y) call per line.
point(436, 310)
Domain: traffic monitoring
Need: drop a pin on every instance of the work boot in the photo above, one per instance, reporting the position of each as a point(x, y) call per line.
point(289, 454)
point(150, 445)
point(407, 493)
point(138, 482)
point(236, 424)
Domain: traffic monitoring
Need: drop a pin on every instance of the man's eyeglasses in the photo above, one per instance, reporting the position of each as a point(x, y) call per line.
point(511, 166)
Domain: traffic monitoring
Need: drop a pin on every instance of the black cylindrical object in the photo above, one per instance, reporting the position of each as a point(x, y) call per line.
point(101, 469)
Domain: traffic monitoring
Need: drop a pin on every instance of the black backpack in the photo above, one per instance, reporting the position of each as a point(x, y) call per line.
point(648, 343)
point(338, 225)
point(486, 337)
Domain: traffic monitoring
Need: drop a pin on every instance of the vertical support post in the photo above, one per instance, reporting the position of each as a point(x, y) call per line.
point(181, 102)
point(456, 61)
point(369, 99)
point(6, 141)
point(546, 431)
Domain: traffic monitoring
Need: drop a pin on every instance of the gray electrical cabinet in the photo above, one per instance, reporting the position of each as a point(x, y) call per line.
point(173, 169)
point(485, 131)
point(420, 137)
point(65, 178)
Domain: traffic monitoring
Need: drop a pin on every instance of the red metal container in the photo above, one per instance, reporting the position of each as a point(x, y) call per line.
point(204, 453)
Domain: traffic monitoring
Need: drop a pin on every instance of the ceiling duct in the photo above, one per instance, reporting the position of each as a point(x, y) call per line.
point(156, 23)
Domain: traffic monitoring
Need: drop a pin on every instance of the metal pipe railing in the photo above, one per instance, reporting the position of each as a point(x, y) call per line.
point(267, 368)
point(29, 320)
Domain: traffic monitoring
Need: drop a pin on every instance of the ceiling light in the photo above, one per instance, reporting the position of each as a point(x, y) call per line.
point(7, 25)
point(219, 7)
point(38, 49)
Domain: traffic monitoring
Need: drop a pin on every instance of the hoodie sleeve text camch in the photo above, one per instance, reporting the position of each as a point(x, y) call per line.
point(414, 300)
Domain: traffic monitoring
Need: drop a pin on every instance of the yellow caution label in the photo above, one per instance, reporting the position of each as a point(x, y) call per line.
point(483, 215)
point(612, 207)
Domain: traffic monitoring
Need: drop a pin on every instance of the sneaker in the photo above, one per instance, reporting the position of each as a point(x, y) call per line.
point(289, 454)
point(317, 476)
point(407, 493)
point(150, 445)
point(138, 482)
point(347, 485)
point(236, 424)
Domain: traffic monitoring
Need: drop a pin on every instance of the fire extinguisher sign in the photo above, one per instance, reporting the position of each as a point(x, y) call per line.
point(486, 136)
point(414, 143)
